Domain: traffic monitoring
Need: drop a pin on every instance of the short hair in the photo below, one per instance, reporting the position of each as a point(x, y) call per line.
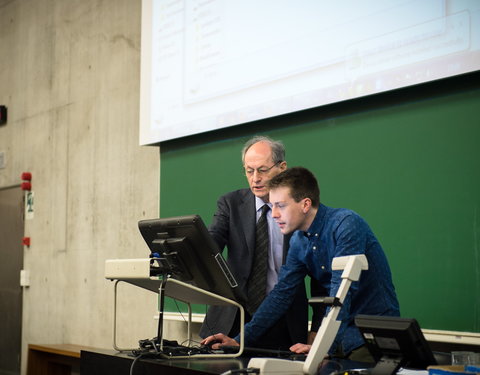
point(302, 184)
point(277, 147)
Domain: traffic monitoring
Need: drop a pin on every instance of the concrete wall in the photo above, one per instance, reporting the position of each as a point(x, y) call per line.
point(69, 74)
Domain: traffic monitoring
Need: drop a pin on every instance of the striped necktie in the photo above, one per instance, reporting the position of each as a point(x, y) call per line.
point(257, 282)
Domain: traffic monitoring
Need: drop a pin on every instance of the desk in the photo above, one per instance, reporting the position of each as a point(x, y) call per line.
point(110, 362)
point(61, 359)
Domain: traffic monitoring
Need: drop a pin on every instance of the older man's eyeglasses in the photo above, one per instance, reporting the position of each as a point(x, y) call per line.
point(261, 170)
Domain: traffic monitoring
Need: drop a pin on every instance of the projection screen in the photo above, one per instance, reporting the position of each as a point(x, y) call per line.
point(210, 64)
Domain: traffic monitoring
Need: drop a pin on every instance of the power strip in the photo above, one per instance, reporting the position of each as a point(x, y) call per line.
point(127, 268)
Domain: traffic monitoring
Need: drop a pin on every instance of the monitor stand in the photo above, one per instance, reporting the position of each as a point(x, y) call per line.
point(183, 292)
point(387, 366)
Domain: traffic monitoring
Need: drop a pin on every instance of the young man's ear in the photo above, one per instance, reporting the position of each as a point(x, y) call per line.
point(307, 204)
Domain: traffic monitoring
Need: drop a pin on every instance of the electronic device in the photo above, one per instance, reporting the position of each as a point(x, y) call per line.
point(185, 263)
point(182, 248)
point(394, 342)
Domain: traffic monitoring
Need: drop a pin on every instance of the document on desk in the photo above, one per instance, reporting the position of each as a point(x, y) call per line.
point(404, 371)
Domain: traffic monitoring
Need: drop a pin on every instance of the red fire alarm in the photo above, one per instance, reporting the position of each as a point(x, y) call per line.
point(26, 186)
point(27, 178)
point(3, 114)
point(26, 241)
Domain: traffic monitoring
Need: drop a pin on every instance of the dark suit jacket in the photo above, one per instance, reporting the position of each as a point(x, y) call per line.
point(233, 226)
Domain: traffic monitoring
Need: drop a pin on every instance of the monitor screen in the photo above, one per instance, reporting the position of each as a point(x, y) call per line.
point(394, 342)
point(182, 248)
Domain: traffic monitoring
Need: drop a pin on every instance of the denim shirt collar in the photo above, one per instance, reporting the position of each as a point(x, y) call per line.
point(318, 222)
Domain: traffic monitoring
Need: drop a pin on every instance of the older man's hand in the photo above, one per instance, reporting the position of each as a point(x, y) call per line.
point(219, 339)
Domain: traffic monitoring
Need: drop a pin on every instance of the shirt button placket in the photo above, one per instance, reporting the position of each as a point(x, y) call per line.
point(314, 247)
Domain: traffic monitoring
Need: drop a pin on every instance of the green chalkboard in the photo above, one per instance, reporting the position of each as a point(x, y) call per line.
point(407, 161)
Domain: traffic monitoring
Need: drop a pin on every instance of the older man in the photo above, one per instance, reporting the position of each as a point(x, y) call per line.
point(236, 225)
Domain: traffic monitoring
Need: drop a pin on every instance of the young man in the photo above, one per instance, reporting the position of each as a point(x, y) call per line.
point(234, 226)
point(320, 234)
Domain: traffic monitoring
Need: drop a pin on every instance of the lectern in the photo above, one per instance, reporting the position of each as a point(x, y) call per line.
point(137, 272)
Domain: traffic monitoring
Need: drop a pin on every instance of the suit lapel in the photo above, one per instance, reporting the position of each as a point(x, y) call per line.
point(248, 219)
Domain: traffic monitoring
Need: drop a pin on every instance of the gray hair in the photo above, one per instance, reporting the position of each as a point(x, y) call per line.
point(277, 147)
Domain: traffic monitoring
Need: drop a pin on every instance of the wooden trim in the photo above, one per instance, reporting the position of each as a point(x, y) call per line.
point(454, 337)
point(54, 358)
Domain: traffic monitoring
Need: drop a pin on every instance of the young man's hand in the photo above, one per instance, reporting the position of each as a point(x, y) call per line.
point(300, 348)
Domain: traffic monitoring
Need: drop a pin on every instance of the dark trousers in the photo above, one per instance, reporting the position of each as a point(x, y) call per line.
point(277, 337)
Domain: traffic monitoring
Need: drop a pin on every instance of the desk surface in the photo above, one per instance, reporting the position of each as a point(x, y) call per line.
point(110, 362)
point(106, 362)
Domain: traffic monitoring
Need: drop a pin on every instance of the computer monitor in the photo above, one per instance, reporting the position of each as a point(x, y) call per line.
point(394, 342)
point(182, 248)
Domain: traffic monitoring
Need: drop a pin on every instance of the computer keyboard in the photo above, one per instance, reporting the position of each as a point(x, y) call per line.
point(262, 352)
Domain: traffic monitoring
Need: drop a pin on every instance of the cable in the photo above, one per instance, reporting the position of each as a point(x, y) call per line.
point(205, 322)
point(134, 362)
point(139, 356)
point(191, 343)
point(161, 293)
point(180, 311)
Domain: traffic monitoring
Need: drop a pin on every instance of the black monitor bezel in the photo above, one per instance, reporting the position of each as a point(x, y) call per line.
point(397, 339)
point(197, 260)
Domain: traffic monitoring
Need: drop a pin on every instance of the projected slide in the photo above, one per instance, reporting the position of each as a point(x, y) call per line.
point(210, 64)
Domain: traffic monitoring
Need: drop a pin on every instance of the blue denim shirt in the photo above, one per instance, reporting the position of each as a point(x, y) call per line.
point(333, 233)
